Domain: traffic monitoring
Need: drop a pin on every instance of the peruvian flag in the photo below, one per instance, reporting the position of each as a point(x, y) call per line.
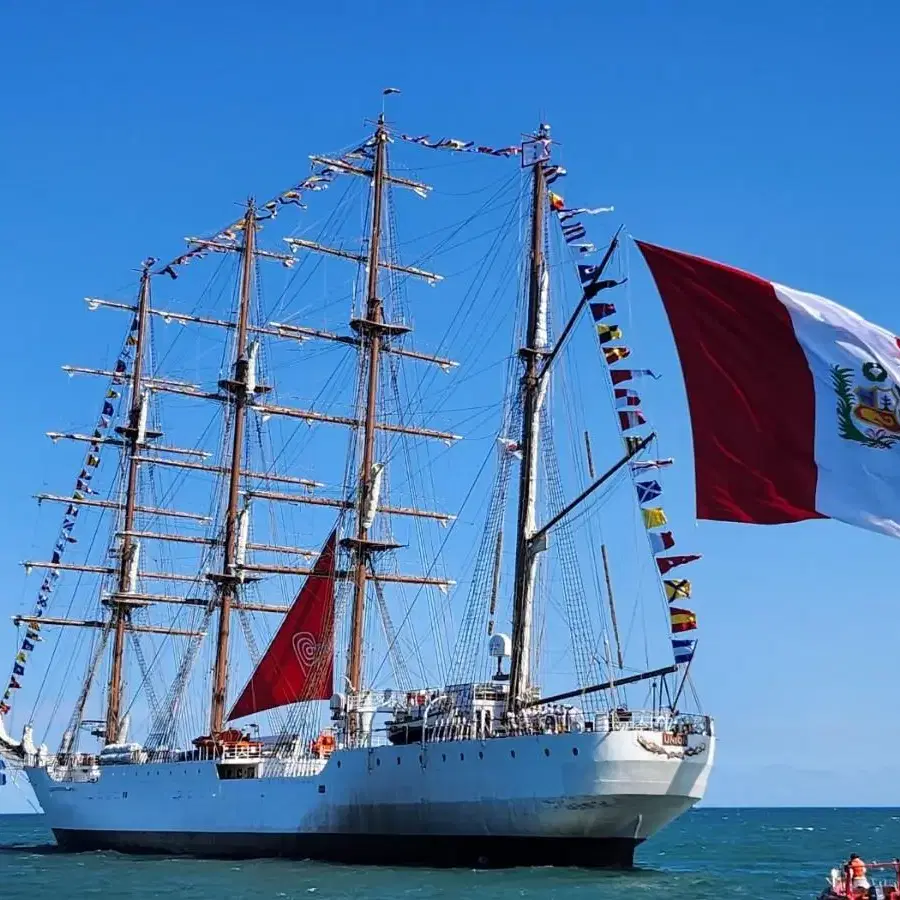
point(794, 400)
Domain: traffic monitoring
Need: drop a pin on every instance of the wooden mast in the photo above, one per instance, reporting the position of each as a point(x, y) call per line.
point(532, 390)
point(121, 612)
point(241, 390)
point(371, 331)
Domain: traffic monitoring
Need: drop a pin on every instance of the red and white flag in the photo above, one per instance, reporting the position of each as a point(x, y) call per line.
point(794, 400)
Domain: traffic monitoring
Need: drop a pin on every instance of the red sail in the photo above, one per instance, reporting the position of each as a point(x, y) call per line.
point(299, 664)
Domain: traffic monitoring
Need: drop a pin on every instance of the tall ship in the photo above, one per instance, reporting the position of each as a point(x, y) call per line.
point(290, 612)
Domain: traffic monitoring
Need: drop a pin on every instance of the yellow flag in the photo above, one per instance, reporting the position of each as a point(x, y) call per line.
point(654, 517)
point(677, 589)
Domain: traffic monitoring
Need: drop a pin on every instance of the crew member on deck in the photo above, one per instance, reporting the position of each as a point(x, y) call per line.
point(857, 867)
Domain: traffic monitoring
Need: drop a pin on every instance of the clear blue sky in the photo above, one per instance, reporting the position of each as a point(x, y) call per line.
point(764, 135)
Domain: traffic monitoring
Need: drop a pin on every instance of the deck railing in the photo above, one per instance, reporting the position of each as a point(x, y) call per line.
point(81, 767)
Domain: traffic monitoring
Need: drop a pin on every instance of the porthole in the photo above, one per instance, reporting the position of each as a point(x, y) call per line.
point(480, 755)
point(398, 760)
point(574, 751)
point(512, 753)
point(462, 757)
point(339, 764)
point(546, 751)
point(377, 762)
point(443, 757)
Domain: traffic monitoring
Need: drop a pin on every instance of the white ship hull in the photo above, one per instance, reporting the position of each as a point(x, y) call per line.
point(572, 799)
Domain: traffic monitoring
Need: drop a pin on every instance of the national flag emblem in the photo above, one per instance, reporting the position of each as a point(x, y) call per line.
point(653, 517)
point(682, 619)
point(821, 434)
point(556, 202)
point(683, 651)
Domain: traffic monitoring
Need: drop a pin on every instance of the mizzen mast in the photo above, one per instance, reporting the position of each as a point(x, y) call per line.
point(533, 390)
point(134, 435)
point(241, 388)
point(371, 330)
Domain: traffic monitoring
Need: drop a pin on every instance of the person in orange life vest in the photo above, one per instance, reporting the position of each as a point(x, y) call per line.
point(857, 867)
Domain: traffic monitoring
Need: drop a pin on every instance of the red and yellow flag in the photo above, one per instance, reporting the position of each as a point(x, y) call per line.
point(682, 620)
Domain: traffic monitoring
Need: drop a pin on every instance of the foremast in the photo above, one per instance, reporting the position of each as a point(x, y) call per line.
point(135, 435)
point(533, 392)
point(371, 330)
point(241, 387)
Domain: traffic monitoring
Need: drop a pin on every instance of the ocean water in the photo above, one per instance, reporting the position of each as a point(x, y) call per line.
point(708, 854)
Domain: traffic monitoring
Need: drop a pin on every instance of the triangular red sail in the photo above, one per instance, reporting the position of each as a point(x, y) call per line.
point(299, 663)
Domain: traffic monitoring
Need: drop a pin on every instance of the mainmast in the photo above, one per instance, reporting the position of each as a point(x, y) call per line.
point(533, 390)
point(371, 330)
point(241, 387)
point(134, 435)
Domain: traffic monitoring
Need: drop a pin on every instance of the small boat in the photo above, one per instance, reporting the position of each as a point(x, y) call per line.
point(840, 883)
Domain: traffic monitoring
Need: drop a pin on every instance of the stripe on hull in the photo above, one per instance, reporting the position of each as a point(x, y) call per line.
point(446, 851)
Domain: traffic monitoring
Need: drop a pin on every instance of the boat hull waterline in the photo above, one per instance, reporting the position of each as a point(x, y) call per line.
point(570, 799)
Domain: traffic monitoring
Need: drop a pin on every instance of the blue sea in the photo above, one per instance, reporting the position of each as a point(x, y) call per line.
point(708, 854)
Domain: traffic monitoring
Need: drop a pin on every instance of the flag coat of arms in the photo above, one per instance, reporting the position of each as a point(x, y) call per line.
point(794, 399)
